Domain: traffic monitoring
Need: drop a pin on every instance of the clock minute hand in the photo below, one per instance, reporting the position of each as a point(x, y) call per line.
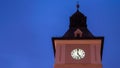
point(78, 54)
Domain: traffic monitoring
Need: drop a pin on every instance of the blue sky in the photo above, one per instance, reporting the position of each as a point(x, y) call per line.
point(26, 28)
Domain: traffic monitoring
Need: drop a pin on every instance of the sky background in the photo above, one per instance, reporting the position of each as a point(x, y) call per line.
point(27, 26)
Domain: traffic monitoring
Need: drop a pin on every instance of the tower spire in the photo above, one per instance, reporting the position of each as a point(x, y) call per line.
point(78, 26)
point(77, 5)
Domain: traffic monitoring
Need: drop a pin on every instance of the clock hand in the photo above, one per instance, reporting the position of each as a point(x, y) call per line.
point(78, 54)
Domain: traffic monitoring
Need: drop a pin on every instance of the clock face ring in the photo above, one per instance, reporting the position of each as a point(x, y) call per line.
point(77, 54)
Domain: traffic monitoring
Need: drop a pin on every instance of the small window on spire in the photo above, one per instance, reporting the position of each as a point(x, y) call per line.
point(78, 33)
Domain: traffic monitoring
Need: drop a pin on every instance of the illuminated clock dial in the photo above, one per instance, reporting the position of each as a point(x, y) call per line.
point(78, 54)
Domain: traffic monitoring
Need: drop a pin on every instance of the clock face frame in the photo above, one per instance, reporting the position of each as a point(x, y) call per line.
point(77, 54)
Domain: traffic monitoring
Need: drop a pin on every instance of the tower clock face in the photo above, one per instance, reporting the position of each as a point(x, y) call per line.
point(77, 54)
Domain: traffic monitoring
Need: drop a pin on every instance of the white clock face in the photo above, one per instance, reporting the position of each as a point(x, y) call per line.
point(78, 54)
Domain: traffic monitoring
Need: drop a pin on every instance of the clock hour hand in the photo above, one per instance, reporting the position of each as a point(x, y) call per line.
point(78, 54)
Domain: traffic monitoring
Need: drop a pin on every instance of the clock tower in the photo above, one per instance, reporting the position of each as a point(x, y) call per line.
point(78, 48)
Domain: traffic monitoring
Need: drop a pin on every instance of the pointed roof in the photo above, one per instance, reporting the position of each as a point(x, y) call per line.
point(78, 21)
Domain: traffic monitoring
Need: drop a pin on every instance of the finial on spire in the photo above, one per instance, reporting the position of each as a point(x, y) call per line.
point(77, 5)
